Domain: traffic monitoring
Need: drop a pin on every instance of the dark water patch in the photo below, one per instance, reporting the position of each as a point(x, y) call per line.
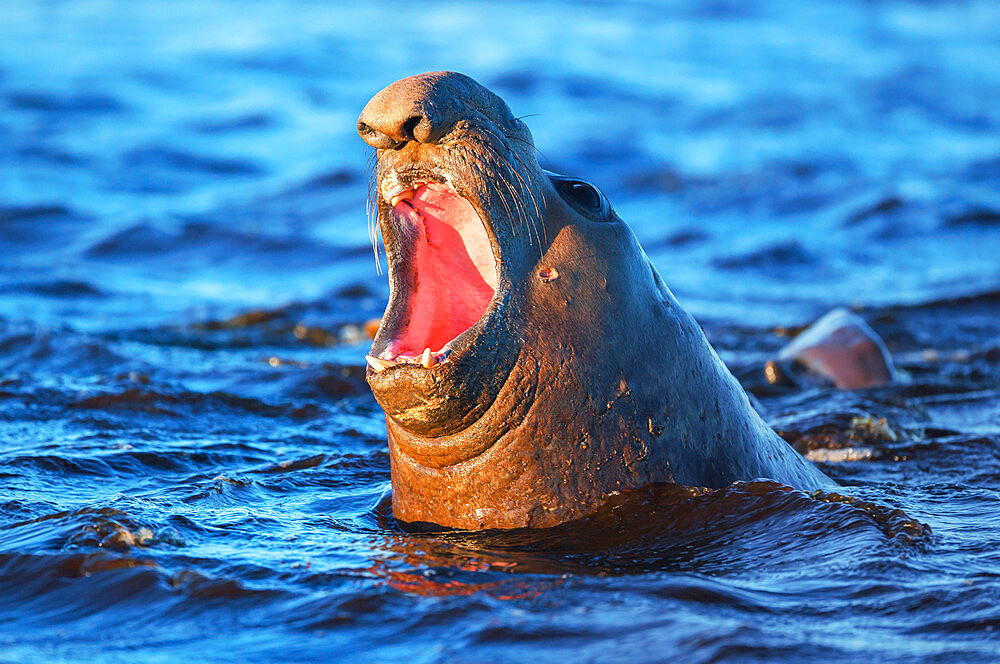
point(305, 206)
point(296, 312)
point(241, 123)
point(115, 581)
point(917, 87)
point(202, 242)
point(989, 354)
point(165, 170)
point(31, 350)
point(73, 104)
point(45, 225)
point(779, 188)
point(771, 112)
point(152, 402)
point(723, 10)
point(85, 528)
point(686, 237)
point(169, 160)
point(139, 239)
point(174, 460)
point(136, 464)
point(360, 608)
point(321, 384)
point(324, 182)
point(61, 465)
point(53, 155)
point(245, 319)
point(950, 334)
point(592, 89)
point(350, 315)
point(580, 86)
point(344, 478)
point(886, 206)
point(600, 150)
point(803, 201)
point(269, 330)
point(973, 626)
point(984, 170)
point(197, 337)
point(126, 583)
point(950, 451)
point(201, 587)
point(680, 239)
point(59, 288)
point(665, 179)
point(520, 81)
point(777, 259)
point(779, 112)
point(282, 63)
point(975, 217)
point(356, 290)
point(986, 298)
point(12, 511)
point(313, 461)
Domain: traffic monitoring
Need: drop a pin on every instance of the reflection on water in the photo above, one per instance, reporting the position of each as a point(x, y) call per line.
point(192, 466)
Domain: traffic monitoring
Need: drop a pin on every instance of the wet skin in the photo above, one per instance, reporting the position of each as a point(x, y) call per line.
point(582, 377)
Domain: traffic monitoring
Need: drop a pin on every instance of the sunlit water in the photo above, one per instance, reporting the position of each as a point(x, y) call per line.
point(193, 469)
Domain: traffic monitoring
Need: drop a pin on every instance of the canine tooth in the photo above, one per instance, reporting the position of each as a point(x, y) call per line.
point(379, 365)
point(401, 196)
point(428, 359)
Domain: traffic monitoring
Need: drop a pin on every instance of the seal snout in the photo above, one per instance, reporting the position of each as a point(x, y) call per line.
point(419, 108)
point(425, 108)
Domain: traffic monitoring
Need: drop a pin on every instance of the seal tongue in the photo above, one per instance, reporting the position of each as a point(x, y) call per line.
point(456, 274)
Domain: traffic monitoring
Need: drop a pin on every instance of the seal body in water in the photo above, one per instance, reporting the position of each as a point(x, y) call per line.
point(531, 362)
point(839, 348)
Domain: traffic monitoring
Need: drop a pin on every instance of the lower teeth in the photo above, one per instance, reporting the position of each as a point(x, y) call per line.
point(427, 359)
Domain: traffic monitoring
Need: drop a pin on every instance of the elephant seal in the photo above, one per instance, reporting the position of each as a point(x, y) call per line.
point(838, 348)
point(531, 362)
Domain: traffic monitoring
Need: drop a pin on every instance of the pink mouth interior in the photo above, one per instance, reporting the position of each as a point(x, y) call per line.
point(456, 274)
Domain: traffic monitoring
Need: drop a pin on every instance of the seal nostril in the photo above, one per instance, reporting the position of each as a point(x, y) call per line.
point(375, 138)
point(410, 126)
point(367, 132)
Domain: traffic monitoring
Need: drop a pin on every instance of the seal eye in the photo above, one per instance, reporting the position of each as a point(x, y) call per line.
point(585, 195)
point(582, 195)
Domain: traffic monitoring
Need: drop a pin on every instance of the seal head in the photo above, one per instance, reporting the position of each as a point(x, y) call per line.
point(531, 362)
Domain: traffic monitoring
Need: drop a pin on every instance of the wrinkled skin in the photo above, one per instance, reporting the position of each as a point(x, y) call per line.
point(568, 389)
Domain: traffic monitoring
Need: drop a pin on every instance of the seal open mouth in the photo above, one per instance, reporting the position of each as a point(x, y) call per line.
point(445, 262)
point(453, 192)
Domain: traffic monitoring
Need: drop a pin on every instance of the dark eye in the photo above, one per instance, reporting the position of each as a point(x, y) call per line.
point(584, 194)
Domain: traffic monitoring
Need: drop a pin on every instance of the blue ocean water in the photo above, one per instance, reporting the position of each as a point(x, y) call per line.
point(192, 467)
